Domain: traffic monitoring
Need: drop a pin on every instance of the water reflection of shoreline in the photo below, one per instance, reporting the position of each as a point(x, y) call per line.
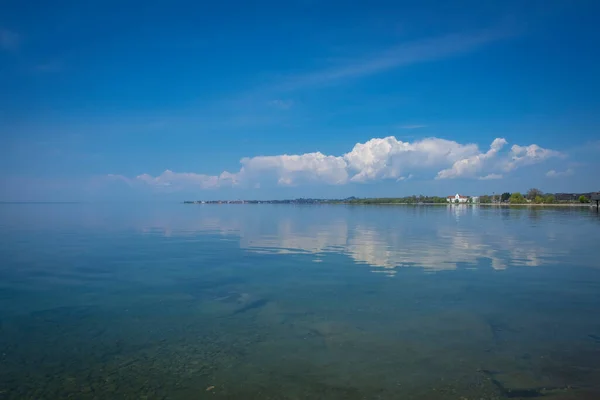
point(443, 238)
point(384, 238)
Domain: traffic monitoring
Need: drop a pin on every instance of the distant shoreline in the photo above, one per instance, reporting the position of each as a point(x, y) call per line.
point(470, 204)
point(577, 205)
point(539, 205)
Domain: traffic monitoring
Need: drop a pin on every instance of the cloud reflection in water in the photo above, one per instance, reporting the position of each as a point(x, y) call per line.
point(386, 238)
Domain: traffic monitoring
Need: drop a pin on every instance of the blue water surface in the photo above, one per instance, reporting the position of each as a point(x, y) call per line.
point(174, 301)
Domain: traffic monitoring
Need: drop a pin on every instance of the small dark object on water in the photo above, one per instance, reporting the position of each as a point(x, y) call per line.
point(252, 305)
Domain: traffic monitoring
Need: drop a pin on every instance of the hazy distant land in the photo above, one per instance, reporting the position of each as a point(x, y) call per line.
point(533, 197)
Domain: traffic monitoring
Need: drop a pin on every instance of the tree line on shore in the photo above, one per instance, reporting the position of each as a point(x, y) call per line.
point(533, 195)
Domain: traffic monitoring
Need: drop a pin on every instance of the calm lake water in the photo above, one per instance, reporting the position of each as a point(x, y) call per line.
point(298, 302)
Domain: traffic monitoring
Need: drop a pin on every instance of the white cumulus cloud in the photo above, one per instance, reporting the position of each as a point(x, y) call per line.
point(375, 160)
point(294, 169)
point(488, 165)
point(527, 155)
point(470, 166)
point(389, 158)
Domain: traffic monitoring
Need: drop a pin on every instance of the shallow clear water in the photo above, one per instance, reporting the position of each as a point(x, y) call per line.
point(298, 302)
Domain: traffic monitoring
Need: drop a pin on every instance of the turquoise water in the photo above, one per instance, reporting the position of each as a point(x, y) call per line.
point(298, 302)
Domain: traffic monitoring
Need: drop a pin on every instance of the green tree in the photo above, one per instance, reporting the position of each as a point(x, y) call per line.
point(533, 193)
point(505, 196)
point(583, 199)
point(550, 199)
point(516, 198)
point(538, 199)
point(485, 199)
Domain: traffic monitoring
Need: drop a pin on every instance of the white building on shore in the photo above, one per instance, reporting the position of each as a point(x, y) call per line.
point(457, 199)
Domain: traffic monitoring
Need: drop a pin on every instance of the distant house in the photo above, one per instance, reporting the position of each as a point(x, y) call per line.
point(475, 199)
point(457, 199)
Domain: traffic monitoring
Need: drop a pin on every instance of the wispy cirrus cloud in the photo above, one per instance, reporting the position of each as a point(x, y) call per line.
point(378, 159)
point(403, 54)
point(182, 180)
point(271, 103)
point(281, 104)
point(560, 174)
point(490, 177)
point(412, 126)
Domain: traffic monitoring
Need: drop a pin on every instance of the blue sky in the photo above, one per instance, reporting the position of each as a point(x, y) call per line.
point(178, 100)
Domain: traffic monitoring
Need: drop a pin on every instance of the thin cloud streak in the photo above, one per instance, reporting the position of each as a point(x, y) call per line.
point(399, 56)
point(281, 104)
point(560, 174)
point(415, 126)
point(490, 177)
